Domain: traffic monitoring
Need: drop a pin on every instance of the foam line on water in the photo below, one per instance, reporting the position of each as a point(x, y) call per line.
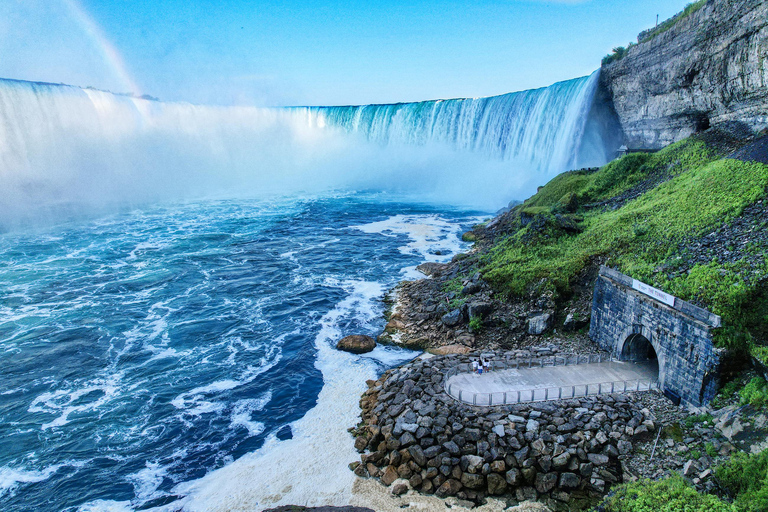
point(311, 468)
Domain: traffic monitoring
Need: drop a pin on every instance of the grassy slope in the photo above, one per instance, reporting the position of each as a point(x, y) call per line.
point(701, 192)
point(698, 192)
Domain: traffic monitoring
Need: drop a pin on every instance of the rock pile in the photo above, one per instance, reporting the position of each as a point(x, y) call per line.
point(415, 436)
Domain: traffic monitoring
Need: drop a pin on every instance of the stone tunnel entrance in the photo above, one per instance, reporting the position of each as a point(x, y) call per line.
point(636, 322)
point(639, 350)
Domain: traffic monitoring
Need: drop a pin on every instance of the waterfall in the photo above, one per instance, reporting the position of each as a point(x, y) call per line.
point(543, 127)
point(68, 149)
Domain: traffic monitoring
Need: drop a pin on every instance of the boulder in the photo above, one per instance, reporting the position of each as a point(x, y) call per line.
point(389, 476)
point(539, 323)
point(496, 484)
point(450, 349)
point(472, 481)
point(356, 343)
point(479, 309)
point(448, 488)
point(399, 488)
point(453, 318)
point(545, 482)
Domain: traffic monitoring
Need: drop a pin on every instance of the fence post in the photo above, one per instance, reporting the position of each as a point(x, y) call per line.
point(474, 398)
point(546, 394)
point(600, 388)
point(518, 396)
point(560, 392)
point(573, 391)
point(505, 398)
point(460, 392)
point(638, 386)
point(612, 386)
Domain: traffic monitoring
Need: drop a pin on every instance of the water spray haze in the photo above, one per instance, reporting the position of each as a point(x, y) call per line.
point(84, 152)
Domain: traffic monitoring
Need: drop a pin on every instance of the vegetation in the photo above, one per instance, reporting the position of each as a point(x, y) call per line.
point(673, 494)
point(745, 477)
point(755, 393)
point(475, 324)
point(671, 22)
point(618, 53)
point(690, 192)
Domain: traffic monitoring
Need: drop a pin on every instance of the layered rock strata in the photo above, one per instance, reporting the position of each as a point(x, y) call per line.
point(708, 69)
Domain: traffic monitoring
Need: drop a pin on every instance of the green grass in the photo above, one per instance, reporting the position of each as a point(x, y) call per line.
point(755, 393)
point(690, 421)
point(760, 352)
point(671, 22)
point(745, 477)
point(673, 494)
point(702, 193)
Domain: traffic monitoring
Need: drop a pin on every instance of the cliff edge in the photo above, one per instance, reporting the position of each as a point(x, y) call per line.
point(705, 67)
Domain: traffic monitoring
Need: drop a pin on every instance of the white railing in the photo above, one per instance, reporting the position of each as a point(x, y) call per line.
point(547, 393)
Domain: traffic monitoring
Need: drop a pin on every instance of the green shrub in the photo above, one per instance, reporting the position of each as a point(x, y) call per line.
point(745, 477)
point(670, 495)
point(760, 353)
point(755, 393)
point(475, 324)
point(710, 449)
point(690, 421)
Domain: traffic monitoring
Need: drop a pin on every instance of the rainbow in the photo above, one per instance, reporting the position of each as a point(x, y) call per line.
point(109, 53)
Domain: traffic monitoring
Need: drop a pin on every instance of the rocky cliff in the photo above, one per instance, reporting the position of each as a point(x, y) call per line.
point(707, 69)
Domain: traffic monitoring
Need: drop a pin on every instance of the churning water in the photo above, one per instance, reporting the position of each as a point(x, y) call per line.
point(173, 279)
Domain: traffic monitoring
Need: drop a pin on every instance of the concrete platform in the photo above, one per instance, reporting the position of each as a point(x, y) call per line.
point(552, 382)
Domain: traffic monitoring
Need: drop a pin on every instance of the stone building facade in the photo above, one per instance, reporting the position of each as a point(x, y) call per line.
point(634, 321)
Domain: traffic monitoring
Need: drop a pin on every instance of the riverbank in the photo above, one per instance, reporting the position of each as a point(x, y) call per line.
point(525, 290)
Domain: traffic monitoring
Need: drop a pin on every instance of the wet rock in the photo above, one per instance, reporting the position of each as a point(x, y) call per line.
point(356, 343)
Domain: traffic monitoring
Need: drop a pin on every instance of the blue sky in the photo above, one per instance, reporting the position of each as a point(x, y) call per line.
point(315, 52)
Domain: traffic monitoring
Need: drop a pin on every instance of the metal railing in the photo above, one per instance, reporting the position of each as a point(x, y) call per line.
point(546, 393)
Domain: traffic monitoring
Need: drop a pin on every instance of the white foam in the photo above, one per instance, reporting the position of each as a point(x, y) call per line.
point(106, 506)
point(311, 468)
point(59, 402)
point(10, 478)
point(146, 481)
point(427, 235)
point(241, 413)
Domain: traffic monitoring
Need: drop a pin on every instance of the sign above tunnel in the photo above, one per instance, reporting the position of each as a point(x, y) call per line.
point(655, 293)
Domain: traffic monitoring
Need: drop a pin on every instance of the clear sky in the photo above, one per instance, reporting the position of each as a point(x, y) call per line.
point(302, 52)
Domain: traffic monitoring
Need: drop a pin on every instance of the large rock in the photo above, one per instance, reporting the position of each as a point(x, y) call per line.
point(450, 349)
point(539, 323)
point(709, 68)
point(453, 318)
point(496, 484)
point(357, 344)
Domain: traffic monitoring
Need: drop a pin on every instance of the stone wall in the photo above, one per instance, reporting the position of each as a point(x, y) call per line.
point(708, 69)
point(680, 335)
point(414, 436)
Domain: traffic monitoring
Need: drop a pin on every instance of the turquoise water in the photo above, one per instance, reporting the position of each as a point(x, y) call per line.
point(141, 351)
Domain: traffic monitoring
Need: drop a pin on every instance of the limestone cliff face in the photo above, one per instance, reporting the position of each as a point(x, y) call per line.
point(710, 67)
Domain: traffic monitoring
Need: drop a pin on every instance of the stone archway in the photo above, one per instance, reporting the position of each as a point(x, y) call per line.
point(636, 344)
point(634, 321)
